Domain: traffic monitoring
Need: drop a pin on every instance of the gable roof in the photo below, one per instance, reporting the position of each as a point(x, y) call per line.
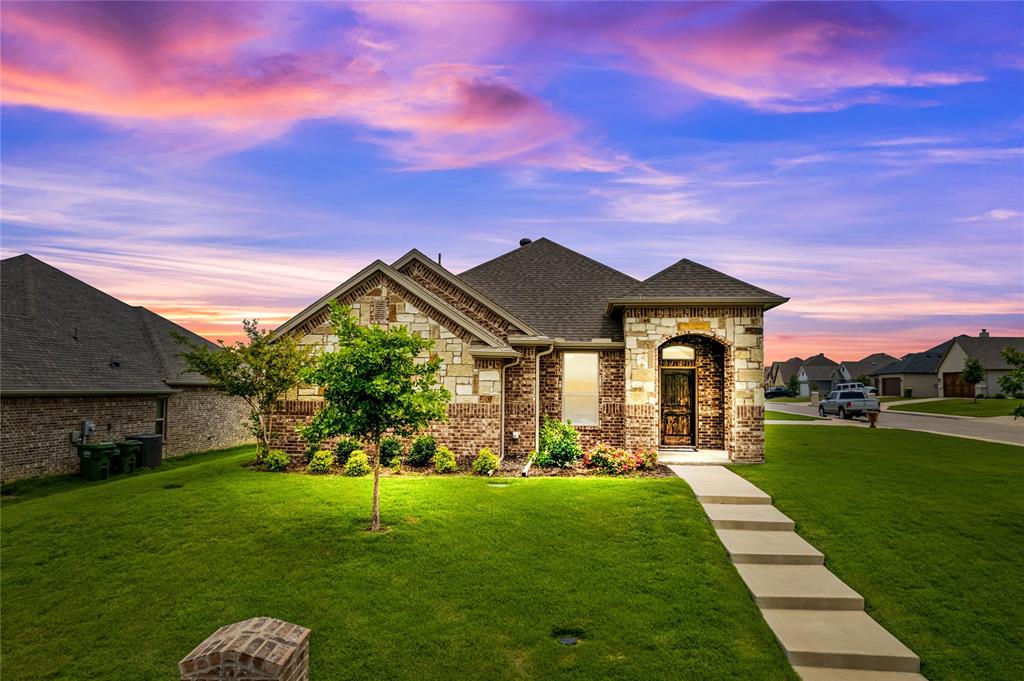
point(926, 362)
point(555, 289)
point(378, 266)
point(784, 369)
point(819, 367)
point(989, 349)
point(686, 280)
point(63, 336)
point(863, 367)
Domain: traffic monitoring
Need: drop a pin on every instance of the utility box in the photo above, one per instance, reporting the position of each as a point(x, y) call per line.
point(256, 648)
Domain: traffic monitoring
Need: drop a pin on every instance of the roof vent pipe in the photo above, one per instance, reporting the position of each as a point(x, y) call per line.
point(438, 258)
point(524, 241)
point(983, 334)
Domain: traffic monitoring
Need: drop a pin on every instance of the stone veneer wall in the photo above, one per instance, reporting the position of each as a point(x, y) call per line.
point(739, 329)
point(35, 431)
point(611, 397)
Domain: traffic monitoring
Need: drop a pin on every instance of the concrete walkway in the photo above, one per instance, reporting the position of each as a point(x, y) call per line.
point(818, 620)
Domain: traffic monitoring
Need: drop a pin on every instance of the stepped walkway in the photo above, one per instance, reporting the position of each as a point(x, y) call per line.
point(817, 619)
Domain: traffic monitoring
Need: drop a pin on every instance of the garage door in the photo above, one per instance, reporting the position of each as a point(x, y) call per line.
point(953, 385)
point(890, 386)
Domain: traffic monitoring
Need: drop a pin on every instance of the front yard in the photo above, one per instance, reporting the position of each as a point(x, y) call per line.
point(963, 407)
point(786, 416)
point(927, 528)
point(119, 580)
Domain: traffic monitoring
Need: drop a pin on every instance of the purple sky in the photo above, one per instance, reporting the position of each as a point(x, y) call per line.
point(228, 160)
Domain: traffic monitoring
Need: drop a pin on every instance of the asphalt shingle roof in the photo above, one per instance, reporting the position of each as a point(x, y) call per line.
point(688, 279)
point(561, 292)
point(864, 367)
point(926, 362)
point(787, 368)
point(58, 333)
point(989, 350)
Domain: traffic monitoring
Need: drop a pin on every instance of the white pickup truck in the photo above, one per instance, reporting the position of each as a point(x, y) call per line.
point(847, 403)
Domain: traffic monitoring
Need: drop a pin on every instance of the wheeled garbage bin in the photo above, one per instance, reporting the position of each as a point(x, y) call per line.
point(94, 459)
point(130, 451)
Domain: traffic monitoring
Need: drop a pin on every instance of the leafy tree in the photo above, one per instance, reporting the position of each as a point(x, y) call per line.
point(259, 371)
point(793, 384)
point(376, 382)
point(1013, 382)
point(973, 373)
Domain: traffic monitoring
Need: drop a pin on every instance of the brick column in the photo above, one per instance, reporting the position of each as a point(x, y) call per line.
point(257, 648)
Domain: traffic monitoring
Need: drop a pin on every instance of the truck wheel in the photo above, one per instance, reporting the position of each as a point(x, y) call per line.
point(841, 413)
point(821, 411)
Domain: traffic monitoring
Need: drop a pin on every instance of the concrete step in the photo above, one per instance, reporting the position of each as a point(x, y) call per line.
point(718, 485)
point(747, 517)
point(833, 674)
point(774, 548)
point(800, 587)
point(844, 639)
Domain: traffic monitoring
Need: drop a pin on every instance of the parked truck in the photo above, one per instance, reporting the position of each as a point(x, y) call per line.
point(847, 403)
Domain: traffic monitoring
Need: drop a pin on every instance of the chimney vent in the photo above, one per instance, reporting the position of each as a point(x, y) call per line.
point(983, 334)
point(524, 241)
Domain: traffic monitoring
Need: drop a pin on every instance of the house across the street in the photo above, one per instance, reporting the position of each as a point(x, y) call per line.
point(675, 360)
point(916, 372)
point(816, 375)
point(779, 373)
point(72, 353)
point(986, 349)
point(862, 368)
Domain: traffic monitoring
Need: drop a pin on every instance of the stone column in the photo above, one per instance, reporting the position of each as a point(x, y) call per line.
point(256, 648)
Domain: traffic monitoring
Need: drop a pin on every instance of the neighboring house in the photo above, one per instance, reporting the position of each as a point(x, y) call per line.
point(854, 371)
point(816, 374)
point(674, 360)
point(986, 349)
point(917, 372)
point(779, 373)
point(70, 353)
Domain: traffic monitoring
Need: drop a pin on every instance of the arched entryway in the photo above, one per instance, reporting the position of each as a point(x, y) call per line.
point(692, 397)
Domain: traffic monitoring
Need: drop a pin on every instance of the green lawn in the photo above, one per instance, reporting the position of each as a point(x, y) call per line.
point(786, 416)
point(120, 579)
point(963, 407)
point(897, 398)
point(927, 528)
point(798, 399)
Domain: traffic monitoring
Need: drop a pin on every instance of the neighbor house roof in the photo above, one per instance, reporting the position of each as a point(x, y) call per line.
point(926, 362)
point(989, 349)
point(864, 367)
point(819, 367)
point(787, 368)
point(688, 280)
point(62, 336)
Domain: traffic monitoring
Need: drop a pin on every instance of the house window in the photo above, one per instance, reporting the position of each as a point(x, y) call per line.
point(678, 352)
point(160, 428)
point(579, 388)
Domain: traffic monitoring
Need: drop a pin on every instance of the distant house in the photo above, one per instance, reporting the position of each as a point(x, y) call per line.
point(917, 372)
point(862, 368)
point(816, 374)
point(778, 373)
point(986, 349)
point(72, 353)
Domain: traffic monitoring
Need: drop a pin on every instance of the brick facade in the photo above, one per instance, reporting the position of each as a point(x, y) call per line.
point(35, 436)
point(259, 648)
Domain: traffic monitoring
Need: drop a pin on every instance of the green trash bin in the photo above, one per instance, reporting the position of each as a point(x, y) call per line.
point(130, 451)
point(94, 459)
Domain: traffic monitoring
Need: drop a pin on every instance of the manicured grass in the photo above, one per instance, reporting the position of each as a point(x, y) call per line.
point(798, 399)
point(963, 407)
point(927, 528)
point(897, 398)
point(786, 416)
point(119, 580)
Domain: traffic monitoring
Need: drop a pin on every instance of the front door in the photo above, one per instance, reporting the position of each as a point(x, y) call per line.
point(678, 409)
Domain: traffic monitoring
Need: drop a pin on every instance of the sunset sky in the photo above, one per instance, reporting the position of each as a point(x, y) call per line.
point(220, 161)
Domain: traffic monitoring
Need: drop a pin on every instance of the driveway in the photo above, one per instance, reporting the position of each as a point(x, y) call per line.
point(976, 428)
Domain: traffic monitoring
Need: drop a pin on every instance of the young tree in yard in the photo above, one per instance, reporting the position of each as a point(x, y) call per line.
point(376, 382)
point(1013, 382)
point(973, 374)
point(259, 371)
point(793, 384)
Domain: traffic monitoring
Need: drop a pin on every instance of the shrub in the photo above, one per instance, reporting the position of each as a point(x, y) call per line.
point(321, 462)
point(423, 449)
point(344, 449)
point(390, 449)
point(485, 462)
point(648, 459)
point(541, 459)
point(616, 461)
point(560, 442)
point(444, 461)
point(358, 464)
point(276, 460)
point(999, 396)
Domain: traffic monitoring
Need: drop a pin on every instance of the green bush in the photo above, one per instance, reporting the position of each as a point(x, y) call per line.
point(390, 449)
point(999, 396)
point(616, 461)
point(423, 449)
point(444, 461)
point(358, 464)
point(344, 449)
point(540, 459)
point(648, 459)
point(276, 460)
point(485, 462)
point(321, 462)
point(560, 443)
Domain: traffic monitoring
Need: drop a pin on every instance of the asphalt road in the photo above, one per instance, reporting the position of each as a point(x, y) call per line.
point(1009, 432)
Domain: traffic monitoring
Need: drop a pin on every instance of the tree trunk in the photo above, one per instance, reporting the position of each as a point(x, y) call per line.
point(375, 523)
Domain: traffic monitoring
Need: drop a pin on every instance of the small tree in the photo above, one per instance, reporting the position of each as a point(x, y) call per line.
point(1013, 382)
point(973, 374)
point(259, 371)
point(376, 382)
point(793, 384)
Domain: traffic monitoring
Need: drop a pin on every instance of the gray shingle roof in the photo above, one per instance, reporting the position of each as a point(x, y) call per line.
point(787, 368)
point(688, 279)
point(926, 362)
point(561, 292)
point(59, 334)
point(989, 350)
point(864, 367)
